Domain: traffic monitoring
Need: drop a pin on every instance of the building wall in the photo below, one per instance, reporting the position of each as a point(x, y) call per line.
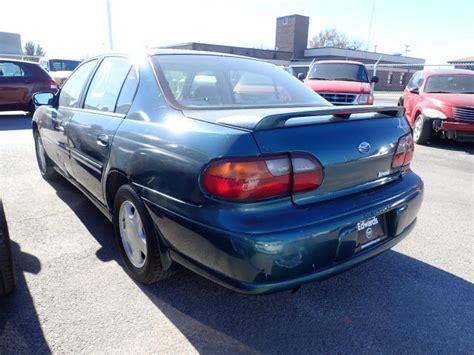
point(292, 34)
point(392, 79)
point(10, 43)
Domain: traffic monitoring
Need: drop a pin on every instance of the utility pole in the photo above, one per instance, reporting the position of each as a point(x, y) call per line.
point(109, 19)
point(407, 49)
point(370, 27)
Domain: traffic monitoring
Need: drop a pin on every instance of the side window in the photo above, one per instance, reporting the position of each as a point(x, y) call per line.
point(9, 69)
point(419, 81)
point(69, 96)
point(127, 93)
point(106, 84)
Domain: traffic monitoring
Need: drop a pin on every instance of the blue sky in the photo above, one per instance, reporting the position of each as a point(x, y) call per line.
point(435, 30)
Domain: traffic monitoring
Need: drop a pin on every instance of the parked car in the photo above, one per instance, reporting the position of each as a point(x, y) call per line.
point(440, 103)
point(341, 82)
point(7, 274)
point(230, 167)
point(19, 80)
point(59, 69)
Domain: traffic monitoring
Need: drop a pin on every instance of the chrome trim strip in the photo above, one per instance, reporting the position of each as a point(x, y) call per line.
point(96, 166)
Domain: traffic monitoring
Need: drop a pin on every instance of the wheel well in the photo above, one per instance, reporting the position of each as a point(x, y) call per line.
point(115, 179)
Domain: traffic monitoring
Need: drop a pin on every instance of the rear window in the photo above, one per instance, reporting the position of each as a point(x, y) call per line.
point(338, 71)
point(209, 81)
point(63, 65)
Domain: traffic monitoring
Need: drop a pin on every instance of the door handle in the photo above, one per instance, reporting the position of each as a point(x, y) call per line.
point(103, 140)
point(58, 124)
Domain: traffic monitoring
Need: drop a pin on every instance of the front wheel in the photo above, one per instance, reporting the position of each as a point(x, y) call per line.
point(45, 164)
point(136, 237)
point(7, 274)
point(422, 130)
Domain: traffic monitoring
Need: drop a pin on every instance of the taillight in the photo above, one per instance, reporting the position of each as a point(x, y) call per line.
point(53, 85)
point(404, 152)
point(262, 177)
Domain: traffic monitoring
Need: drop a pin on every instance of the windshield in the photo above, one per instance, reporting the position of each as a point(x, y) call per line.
point(210, 81)
point(450, 84)
point(338, 71)
point(63, 65)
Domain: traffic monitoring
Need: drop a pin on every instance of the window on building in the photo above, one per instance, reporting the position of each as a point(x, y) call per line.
point(402, 78)
point(390, 77)
point(285, 20)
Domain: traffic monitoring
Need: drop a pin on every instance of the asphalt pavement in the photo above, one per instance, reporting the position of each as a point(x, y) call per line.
point(73, 295)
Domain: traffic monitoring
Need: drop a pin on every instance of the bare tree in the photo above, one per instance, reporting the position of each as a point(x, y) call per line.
point(33, 51)
point(330, 37)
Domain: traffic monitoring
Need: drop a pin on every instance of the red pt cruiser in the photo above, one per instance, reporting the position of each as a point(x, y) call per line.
point(440, 103)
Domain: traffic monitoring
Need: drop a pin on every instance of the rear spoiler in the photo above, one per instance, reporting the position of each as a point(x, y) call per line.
point(337, 113)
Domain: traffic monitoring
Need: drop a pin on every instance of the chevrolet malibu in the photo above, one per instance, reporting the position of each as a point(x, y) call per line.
point(230, 167)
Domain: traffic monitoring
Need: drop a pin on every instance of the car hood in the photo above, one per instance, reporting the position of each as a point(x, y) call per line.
point(454, 100)
point(338, 86)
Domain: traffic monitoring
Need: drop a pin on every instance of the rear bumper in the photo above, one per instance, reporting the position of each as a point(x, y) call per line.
point(257, 263)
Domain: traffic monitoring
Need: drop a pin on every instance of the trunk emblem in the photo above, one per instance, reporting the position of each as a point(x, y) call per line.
point(364, 147)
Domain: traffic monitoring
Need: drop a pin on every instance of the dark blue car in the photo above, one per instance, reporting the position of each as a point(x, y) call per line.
point(230, 167)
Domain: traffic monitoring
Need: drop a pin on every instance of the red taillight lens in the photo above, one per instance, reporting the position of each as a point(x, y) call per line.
point(53, 85)
point(264, 177)
point(404, 153)
point(307, 172)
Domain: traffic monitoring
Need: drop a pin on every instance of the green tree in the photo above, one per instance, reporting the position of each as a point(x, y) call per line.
point(330, 37)
point(33, 51)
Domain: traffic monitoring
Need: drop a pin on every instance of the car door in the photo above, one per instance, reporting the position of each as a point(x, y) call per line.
point(92, 128)
point(15, 83)
point(411, 95)
point(54, 128)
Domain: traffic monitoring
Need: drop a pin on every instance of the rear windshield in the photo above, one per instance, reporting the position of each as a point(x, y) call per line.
point(63, 65)
point(450, 84)
point(210, 81)
point(338, 71)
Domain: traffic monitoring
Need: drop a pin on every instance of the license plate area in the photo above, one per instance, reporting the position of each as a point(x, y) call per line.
point(370, 231)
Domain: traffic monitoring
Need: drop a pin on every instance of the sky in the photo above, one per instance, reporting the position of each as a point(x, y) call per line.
point(437, 30)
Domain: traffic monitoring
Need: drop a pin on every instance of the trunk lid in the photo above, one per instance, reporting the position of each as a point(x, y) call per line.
point(335, 139)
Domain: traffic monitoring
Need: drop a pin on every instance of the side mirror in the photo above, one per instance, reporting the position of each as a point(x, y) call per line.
point(414, 90)
point(44, 98)
point(375, 79)
point(301, 76)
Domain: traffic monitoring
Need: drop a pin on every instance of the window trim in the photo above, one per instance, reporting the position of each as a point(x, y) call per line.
point(137, 73)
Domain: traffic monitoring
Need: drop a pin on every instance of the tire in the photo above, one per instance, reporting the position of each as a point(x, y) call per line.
point(45, 165)
point(144, 266)
point(422, 130)
point(7, 273)
point(32, 108)
point(400, 101)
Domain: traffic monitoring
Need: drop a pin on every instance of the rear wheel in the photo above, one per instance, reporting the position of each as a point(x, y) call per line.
point(136, 237)
point(422, 130)
point(7, 274)
point(45, 164)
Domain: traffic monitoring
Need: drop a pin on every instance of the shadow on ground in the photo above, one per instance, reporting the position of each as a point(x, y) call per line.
point(447, 144)
point(12, 122)
point(391, 304)
point(20, 328)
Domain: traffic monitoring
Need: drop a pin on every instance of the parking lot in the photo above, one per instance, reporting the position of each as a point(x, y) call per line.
point(73, 295)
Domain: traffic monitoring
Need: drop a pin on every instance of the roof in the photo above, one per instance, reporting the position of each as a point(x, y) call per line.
point(448, 71)
point(338, 61)
point(18, 60)
point(463, 60)
point(164, 51)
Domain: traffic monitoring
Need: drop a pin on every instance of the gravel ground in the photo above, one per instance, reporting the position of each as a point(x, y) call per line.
point(73, 295)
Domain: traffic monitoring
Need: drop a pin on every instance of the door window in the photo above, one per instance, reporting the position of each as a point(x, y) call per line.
point(71, 91)
point(127, 93)
point(106, 84)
